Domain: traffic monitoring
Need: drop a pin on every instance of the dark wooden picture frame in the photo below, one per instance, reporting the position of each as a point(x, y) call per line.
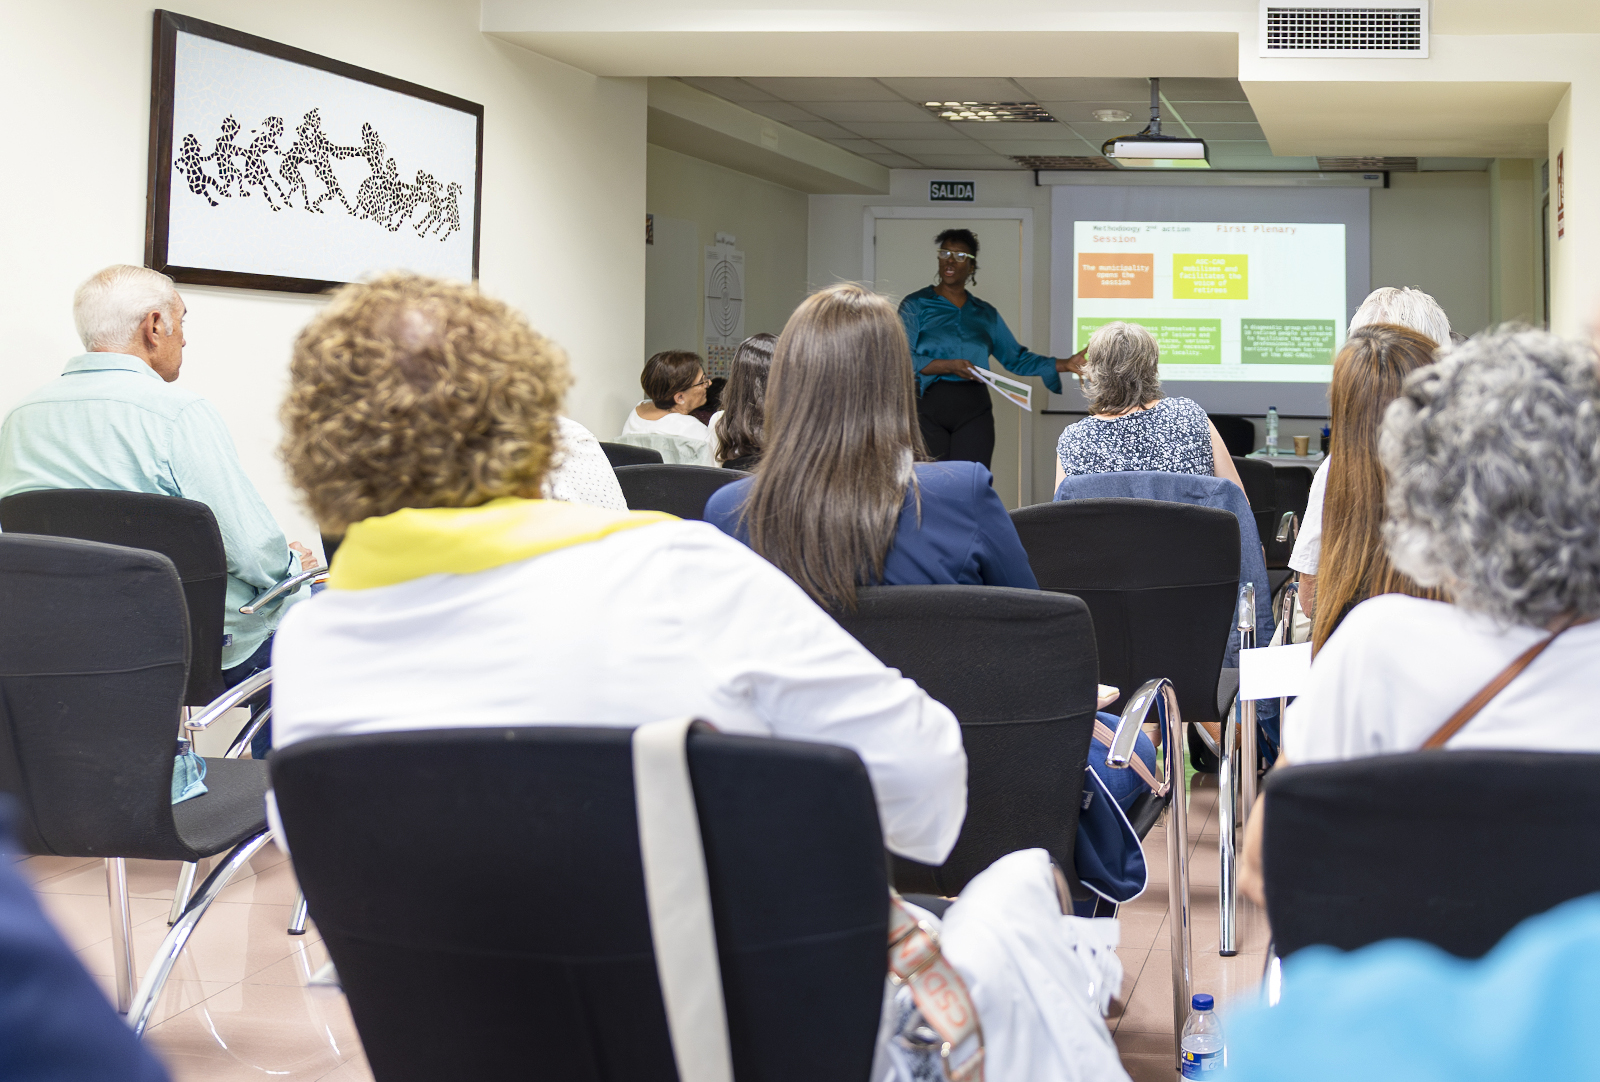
point(163, 87)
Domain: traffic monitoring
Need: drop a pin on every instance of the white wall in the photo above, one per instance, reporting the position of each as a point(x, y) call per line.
point(767, 220)
point(563, 197)
point(1431, 231)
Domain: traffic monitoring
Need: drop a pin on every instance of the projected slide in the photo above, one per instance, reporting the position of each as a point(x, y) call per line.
point(1257, 302)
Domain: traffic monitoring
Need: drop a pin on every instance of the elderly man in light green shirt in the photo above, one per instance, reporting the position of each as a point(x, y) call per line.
point(115, 419)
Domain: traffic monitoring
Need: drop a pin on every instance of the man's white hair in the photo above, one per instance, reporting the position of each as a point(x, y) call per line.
point(1409, 308)
point(109, 307)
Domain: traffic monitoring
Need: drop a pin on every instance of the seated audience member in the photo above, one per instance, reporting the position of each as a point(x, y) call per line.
point(736, 428)
point(840, 500)
point(1367, 375)
point(676, 385)
point(460, 598)
point(1492, 457)
point(1132, 426)
point(1399, 306)
point(116, 420)
point(55, 1023)
point(580, 472)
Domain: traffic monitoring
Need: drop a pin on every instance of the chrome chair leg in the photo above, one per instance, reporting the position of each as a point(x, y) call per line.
point(1249, 756)
point(180, 893)
point(121, 930)
point(155, 978)
point(1272, 976)
point(1227, 815)
point(297, 919)
point(241, 743)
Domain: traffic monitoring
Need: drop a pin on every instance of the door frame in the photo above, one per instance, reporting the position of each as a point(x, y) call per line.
point(869, 271)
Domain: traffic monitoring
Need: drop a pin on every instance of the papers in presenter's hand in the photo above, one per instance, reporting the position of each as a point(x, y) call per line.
point(1010, 389)
point(1273, 671)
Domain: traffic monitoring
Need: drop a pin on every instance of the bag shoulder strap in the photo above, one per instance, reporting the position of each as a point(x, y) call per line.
point(1104, 734)
point(916, 961)
point(1471, 708)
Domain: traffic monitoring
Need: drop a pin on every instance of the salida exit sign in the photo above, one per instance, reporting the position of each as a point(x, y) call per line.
point(950, 191)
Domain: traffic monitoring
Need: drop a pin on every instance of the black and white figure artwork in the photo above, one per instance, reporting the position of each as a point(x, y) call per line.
point(284, 174)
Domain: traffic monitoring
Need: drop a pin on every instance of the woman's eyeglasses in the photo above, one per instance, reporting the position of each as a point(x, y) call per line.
point(959, 257)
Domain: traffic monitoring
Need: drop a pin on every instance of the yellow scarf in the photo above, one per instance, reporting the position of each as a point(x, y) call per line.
point(420, 541)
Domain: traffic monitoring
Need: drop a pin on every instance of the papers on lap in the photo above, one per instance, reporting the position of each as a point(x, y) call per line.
point(1011, 389)
point(1273, 671)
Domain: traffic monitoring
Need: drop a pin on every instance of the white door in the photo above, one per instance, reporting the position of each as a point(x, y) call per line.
point(904, 262)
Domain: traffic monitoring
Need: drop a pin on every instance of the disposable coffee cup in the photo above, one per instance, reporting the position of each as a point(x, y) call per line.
point(1302, 446)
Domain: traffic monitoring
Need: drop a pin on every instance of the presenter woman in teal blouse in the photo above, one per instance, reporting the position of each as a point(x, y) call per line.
point(951, 332)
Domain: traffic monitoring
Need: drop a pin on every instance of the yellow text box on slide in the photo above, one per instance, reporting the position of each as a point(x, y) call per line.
point(1210, 277)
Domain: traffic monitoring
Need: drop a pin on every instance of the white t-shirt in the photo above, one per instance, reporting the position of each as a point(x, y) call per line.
point(582, 473)
point(1308, 545)
point(711, 431)
point(654, 622)
point(673, 424)
point(1399, 667)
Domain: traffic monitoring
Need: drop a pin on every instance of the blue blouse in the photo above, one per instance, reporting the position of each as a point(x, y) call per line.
point(964, 538)
point(938, 329)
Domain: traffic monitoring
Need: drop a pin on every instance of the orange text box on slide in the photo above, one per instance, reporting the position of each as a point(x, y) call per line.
point(1124, 275)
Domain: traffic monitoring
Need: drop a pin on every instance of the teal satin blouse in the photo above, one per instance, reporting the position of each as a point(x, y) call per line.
point(974, 332)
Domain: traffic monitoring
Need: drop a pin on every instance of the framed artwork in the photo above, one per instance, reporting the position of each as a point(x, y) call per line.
point(275, 168)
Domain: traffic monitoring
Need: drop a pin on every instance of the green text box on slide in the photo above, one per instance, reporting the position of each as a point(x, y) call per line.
point(1182, 341)
point(1286, 341)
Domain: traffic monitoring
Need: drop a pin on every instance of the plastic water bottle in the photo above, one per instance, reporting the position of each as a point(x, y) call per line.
point(1272, 430)
point(1203, 1051)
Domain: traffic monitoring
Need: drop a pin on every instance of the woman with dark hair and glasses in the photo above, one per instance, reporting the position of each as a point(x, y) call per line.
point(951, 333)
point(676, 384)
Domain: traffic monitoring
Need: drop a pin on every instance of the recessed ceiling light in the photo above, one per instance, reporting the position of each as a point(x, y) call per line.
point(1112, 116)
point(991, 112)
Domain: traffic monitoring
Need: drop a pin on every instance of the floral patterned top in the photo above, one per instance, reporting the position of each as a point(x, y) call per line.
point(1172, 436)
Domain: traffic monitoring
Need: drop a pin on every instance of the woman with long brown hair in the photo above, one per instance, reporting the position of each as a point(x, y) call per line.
point(737, 427)
point(842, 498)
point(1367, 376)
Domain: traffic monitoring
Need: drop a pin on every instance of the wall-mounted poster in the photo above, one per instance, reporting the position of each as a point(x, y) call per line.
point(275, 168)
point(724, 304)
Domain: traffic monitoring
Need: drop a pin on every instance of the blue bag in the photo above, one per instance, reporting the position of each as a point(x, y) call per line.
point(1108, 857)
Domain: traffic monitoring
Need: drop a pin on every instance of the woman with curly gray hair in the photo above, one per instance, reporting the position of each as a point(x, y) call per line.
point(1131, 425)
point(1493, 464)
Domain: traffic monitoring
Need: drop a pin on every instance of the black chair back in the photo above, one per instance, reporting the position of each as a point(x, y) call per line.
point(1160, 579)
point(1292, 485)
point(1017, 668)
point(1261, 489)
point(1238, 434)
point(674, 488)
point(1453, 848)
point(541, 965)
point(622, 454)
point(184, 531)
point(93, 663)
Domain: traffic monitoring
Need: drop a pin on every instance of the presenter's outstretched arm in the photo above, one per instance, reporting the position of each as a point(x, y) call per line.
point(949, 367)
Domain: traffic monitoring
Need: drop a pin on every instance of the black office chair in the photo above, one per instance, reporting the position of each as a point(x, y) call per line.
point(676, 489)
point(1160, 579)
point(1018, 670)
point(1238, 433)
point(545, 967)
point(1261, 489)
point(1292, 487)
point(184, 531)
point(94, 649)
point(1452, 847)
point(622, 454)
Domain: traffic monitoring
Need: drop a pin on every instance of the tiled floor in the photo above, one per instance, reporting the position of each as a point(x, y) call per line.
point(239, 1007)
point(1143, 1024)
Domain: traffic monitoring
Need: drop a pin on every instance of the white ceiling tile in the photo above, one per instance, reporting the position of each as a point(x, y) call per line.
point(1176, 90)
point(1087, 89)
point(957, 89)
point(988, 161)
point(901, 112)
point(823, 129)
point(1042, 133)
point(867, 129)
point(941, 147)
point(894, 161)
point(1242, 149)
point(1225, 112)
point(781, 111)
point(858, 146)
point(730, 89)
point(1227, 131)
point(1074, 111)
point(1068, 147)
point(825, 89)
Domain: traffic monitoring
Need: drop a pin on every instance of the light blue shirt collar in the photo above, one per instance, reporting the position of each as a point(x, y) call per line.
point(108, 362)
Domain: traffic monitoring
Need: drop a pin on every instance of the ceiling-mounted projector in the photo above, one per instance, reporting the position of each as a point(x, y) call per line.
point(1150, 149)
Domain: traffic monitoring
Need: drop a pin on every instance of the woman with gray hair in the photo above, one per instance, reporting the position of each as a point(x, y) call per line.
point(1493, 463)
point(1131, 426)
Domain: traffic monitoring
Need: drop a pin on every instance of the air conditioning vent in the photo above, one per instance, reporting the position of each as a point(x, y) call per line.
point(1058, 161)
point(1345, 28)
point(1366, 165)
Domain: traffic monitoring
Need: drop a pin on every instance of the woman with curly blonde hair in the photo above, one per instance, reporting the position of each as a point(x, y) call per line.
point(421, 422)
